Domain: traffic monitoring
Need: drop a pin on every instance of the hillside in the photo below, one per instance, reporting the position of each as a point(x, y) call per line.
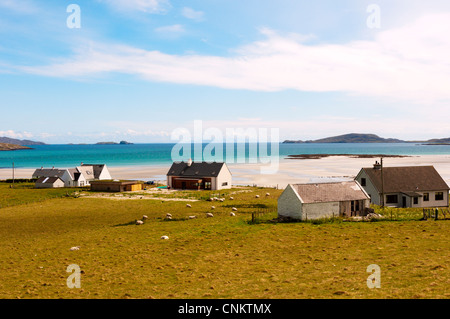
point(12, 147)
point(9, 140)
point(352, 138)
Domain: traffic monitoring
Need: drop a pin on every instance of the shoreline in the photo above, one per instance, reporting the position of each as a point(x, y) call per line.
point(331, 168)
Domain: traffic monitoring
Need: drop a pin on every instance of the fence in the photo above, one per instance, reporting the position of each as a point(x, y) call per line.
point(430, 213)
point(261, 212)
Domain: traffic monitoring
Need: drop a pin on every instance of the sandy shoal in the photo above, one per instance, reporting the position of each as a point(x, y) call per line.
point(288, 171)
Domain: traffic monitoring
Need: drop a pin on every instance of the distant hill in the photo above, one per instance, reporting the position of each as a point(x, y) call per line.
point(352, 138)
point(9, 140)
point(114, 143)
point(12, 147)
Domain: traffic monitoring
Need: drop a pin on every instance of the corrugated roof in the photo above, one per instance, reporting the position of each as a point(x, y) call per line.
point(407, 179)
point(330, 192)
point(197, 169)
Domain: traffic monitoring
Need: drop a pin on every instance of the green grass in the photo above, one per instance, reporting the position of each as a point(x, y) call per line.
point(220, 257)
point(24, 193)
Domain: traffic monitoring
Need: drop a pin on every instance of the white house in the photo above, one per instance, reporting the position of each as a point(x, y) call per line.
point(49, 182)
point(76, 177)
point(406, 186)
point(314, 201)
point(199, 175)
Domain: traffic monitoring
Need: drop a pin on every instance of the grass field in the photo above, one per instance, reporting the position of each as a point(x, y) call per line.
point(220, 257)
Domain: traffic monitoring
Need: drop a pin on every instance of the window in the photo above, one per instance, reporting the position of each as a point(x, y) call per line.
point(391, 199)
point(426, 197)
point(439, 196)
point(416, 200)
point(363, 182)
point(225, 184)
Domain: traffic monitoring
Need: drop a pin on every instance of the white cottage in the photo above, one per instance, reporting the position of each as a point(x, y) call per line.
point(199, 176)
point(314, 201)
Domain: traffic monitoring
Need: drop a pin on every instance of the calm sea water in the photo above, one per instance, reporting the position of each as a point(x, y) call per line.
point(62, 156)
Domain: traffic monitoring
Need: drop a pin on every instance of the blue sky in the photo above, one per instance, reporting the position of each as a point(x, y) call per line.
point(138, 69)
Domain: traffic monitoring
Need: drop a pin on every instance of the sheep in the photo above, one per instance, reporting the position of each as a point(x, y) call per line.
point(267, 194)
point(231, 198)
point(232, 214)
point(188, 206)
point(222, 200)
point(192, 217)
point(168, 215)
point(165, 237)
point(234, 209)
point(145, 217)
point(257, 196)
point(209, 215)
point(75, 248)
point(213, 207)
point(139, 222)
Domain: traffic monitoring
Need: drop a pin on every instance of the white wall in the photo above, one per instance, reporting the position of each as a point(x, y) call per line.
point(223, 177)
point(320, 210)
point(370, 189)
point(105, 174)
point(290, 204)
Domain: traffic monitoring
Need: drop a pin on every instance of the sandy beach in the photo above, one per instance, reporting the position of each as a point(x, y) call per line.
point(333, 168)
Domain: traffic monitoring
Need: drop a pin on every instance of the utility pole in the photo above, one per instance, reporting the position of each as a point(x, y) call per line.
point(382, 184)
point(13, 175)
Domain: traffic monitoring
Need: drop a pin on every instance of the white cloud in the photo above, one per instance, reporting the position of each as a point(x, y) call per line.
point(170, 29)
point(410, 63)
point(148, 6)
point(18, 135)
point(192, 14)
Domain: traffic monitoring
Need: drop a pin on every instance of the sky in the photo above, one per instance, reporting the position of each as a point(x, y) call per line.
point(136, 70)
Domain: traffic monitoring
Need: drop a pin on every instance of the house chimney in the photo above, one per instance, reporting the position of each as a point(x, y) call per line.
point(377, 165)
point(189, 162)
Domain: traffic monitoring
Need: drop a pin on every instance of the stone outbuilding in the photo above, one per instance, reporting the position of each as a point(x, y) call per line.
point(325, 200)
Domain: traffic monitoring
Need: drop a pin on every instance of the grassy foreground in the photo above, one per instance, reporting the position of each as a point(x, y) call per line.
point(220, 257)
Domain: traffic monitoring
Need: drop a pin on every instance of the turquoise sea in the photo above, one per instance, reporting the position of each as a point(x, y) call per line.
point(63, 156)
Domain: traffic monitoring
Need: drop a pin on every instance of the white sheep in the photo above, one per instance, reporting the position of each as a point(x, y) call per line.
point(213, 207)
point(192, 217)
point(139, 222)
point(75, 248)
point(267, 194)
point(168, 215)
point(209, 215)
point(257, 196)
point(145, 217)
point(232, 214)
point(234, 209)
point(222, 200)
point(231, 198)
point(188, 206)
point(165, 237)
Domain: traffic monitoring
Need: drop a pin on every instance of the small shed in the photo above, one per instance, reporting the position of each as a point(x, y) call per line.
point(49, 182)
point(314, 201)
point(116, 186)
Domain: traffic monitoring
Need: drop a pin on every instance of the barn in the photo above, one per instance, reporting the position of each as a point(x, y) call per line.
point(314, 201)
point(116, 186)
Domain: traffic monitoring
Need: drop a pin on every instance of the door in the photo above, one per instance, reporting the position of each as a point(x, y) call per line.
point(404, 202)
point(183, 185)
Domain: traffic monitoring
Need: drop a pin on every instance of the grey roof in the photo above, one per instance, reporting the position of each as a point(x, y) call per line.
point(52, 172)
point(98, 168)
point(407, 179)
point(197, 169)
point(330, 192)
point(47, 180)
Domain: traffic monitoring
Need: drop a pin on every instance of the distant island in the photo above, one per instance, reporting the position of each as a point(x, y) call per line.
point(12, 147)
point(8, 140)
point(114, 143)
point(367, 138)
